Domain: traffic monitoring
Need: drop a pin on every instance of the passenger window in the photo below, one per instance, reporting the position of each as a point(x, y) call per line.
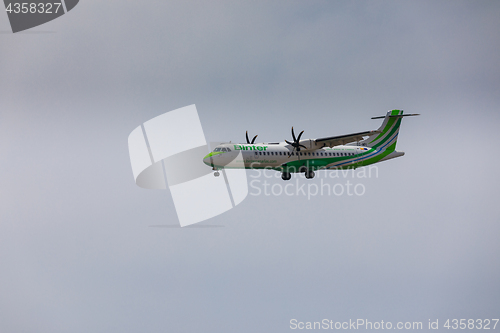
point(260, 153)
point(256, 153)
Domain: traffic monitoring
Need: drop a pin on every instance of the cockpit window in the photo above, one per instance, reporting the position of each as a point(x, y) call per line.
point(225, 150)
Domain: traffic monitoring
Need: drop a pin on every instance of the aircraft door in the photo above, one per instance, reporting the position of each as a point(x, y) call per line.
point(357, 154)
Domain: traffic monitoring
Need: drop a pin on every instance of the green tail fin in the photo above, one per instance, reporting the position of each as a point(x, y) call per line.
point(387, 135)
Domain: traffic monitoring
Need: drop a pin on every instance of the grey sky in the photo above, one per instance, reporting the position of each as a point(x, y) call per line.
point(77, 252)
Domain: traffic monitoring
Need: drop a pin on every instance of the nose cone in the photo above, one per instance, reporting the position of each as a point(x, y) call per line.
point(208, 160)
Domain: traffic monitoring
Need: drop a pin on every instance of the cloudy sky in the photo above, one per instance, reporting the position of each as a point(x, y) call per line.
point(78, 252)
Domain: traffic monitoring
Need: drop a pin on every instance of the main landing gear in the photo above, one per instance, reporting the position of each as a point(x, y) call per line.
point(287, 175)
point(309, 174)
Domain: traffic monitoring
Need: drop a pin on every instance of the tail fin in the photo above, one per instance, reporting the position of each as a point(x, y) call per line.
point(387, 135)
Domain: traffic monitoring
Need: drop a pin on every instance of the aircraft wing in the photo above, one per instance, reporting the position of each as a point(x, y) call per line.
point(341, 139)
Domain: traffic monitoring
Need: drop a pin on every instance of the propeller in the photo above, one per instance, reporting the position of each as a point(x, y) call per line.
point(253, 140)
point(295, 144)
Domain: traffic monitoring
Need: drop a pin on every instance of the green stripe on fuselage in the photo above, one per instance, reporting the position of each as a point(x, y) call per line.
point(214, 153)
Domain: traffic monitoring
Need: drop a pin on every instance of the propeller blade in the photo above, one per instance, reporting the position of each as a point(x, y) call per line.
point(289, 142)
point(303, 146)
point(255, 137)
point(293, 135)
point(248, 141)
point(298, 139)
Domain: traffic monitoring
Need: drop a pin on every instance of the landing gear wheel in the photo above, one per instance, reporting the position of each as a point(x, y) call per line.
point(216, 174)
point(309, 174)
point(286, 176)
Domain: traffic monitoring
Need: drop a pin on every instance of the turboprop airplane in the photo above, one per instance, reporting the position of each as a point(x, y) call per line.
point(309, 155)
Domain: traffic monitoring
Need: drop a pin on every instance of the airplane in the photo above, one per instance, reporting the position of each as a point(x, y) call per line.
point(306, 156)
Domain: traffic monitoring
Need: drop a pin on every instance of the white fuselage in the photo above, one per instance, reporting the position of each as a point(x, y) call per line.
point(274, 155)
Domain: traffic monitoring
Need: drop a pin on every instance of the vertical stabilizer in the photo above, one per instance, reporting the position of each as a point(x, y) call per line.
point(387, 135)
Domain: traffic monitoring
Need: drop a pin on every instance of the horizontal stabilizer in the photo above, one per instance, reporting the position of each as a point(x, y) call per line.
point(398, 116)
